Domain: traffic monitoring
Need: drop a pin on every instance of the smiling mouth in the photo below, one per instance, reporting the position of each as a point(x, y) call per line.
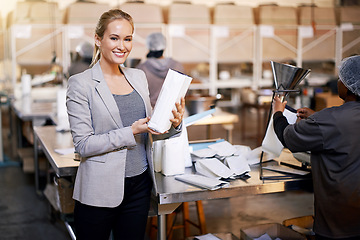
point(119, 54)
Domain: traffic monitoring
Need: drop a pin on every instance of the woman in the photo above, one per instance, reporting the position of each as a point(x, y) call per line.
point(332, 136)
point(109, 107)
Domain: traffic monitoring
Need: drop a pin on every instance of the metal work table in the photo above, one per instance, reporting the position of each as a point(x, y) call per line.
point(29, 109)
point(170, 192)
point(40, 104)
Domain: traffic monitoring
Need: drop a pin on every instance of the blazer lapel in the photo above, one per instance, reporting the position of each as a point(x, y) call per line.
point(138, 87)
point(105, 94)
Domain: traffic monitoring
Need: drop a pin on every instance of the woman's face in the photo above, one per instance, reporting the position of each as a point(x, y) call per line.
point(116, 44)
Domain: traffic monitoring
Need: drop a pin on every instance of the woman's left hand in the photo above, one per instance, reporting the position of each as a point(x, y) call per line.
point(178, 113)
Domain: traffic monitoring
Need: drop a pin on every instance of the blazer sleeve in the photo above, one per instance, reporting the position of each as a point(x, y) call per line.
point(93, 132)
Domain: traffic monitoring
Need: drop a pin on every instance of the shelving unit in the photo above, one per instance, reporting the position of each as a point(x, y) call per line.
point(277, 27)
point(233, 45)
point(80, 19)
point(189, 40)
point(228, 39)
point(148, 18)
point(35, 35)
point(349, 32)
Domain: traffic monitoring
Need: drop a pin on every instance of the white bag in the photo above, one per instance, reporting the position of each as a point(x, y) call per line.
point(271, 144)
point(175, 86)
point(171, 156)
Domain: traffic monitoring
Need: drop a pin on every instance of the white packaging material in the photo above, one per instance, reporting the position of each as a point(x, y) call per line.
point(223, 148)
point(26, 84)
point(62, 116)
point(157, 154)
point(162, 150)
point(173, 162)
point(175, 86)
point(238, 164)
point(216, 167)
point(202, 181)
point(271, 144)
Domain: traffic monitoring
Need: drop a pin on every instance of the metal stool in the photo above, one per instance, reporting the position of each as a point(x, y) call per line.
point(170, 221)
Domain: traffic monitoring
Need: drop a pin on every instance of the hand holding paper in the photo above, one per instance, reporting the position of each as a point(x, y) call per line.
point(178, 113)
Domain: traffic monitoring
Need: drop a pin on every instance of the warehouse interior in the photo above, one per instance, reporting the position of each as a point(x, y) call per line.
point(225, 46)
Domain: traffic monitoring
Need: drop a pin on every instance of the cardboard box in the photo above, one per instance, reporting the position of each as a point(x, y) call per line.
point(274, 230)
point(277, 15)
point(234, 15)
point(27, 157)
point(304, 223)
point(84, 12)
point(183, 13)
point(327, 99)
point(64, 200)
point(350, 14)
point(320, 15)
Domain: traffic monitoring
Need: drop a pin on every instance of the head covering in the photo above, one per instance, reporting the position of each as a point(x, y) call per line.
point(85, 50)
point(349, 73)
point(156, 42)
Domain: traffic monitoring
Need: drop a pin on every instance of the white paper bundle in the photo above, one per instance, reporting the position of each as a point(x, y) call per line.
point(202, 181)
point(200, 169)
point(271, 144)
point(223, 149)
point(175, 86)
point(216, 167)
point(238, 164)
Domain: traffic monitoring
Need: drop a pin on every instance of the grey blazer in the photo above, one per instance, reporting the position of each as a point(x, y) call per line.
point(100, 137)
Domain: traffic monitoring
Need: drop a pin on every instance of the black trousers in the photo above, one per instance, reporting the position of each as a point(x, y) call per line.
point(318, 237)
point(126, 221)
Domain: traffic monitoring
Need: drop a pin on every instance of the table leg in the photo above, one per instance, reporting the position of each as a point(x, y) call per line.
point(36, 164)
point(228, 128)
point(1, 141)
point(161, 234)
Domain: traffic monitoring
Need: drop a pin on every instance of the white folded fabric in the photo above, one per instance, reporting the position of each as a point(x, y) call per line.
point(175, 86)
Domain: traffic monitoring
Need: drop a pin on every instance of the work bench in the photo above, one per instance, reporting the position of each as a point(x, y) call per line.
point(170, 192)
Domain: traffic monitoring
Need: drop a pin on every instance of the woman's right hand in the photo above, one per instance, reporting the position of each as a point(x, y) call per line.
point(304, 113)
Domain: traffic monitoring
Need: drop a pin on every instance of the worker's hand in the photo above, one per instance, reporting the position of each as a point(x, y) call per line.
point(304, 113)
point(178, 113)
point(278, 105)
point(141, 126)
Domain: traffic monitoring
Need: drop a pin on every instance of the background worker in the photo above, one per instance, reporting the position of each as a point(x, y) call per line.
point(156, 65)
point(332, 136)
point(82, 59)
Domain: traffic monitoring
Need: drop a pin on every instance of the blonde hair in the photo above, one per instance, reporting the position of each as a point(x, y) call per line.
point(105, 19)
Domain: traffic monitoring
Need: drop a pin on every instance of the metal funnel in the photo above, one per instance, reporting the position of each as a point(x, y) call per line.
point(286, 76)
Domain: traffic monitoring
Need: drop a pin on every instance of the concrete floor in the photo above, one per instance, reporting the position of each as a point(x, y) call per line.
point(26, 216)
